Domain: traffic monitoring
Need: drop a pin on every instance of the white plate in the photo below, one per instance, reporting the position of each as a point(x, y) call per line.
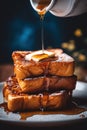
point(79, 95)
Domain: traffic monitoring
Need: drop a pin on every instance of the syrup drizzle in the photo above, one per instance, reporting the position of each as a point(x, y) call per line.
point(42, 33)
point(42, 4)
point(72, 110)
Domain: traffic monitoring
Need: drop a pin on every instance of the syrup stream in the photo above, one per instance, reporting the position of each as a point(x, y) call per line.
point(42, 32)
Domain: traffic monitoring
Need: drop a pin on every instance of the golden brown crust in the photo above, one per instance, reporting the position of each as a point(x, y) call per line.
point(58, 100)
point(62, 65)
point(47, 101)
point(17, 101)
point(50, 83)
point(41, 84)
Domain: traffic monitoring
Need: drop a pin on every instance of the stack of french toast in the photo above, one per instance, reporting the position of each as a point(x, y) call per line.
point(42, 80)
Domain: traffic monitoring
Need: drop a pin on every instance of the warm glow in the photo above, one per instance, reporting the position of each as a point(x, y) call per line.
point(78, 33)
point(82, 57)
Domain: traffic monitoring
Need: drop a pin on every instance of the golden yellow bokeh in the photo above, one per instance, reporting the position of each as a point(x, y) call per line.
point(78, 33)
point(82, 57)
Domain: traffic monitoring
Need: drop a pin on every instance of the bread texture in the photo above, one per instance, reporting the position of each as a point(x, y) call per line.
point(41, 84)
point(17, 101)
point(47, 83)
point(60, 65)
point(41, 81)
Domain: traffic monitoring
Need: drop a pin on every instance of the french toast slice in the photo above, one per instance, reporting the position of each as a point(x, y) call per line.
point(57, 63)
point(17, 101)
point(40, 84)
point(47, 83)
point(54, 101)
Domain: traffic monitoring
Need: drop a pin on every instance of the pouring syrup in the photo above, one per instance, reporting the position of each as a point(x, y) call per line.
point(41, 7)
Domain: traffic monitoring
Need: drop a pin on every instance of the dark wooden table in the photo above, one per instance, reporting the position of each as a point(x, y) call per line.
point(6, 70)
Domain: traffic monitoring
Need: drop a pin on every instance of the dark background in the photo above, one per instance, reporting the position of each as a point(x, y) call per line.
point(20, 29)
